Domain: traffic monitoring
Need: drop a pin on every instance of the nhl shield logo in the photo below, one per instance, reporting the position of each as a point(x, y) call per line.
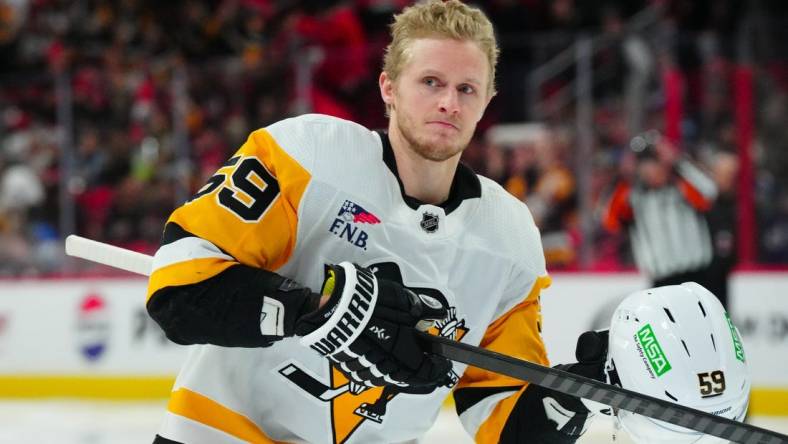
point(429, 222)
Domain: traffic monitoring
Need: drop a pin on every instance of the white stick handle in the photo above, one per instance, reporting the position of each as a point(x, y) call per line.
point(99, 252)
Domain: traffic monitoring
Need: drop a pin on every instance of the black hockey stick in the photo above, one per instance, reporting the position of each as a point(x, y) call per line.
point(611, 395)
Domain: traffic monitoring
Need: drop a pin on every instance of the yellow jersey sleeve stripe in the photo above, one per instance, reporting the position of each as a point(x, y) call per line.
point(185, 273)
point(204, 410)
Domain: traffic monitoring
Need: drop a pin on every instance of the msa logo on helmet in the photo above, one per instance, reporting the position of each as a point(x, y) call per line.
point(738, 348)
point(650, 350)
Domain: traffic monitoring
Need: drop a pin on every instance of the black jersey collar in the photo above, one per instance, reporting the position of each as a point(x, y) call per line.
point(465, 184)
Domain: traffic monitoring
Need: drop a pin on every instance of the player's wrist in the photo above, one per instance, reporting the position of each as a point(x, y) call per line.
point(352, 293)
point(284, 301)
point(316, 311)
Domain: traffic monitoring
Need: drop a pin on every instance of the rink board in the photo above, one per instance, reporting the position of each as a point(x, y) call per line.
point(92, 337)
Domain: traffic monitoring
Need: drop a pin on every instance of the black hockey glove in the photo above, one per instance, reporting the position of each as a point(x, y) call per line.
point(368, 326)
point(545, 416)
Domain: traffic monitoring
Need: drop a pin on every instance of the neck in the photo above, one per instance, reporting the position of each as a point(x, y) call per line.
point(426, 180)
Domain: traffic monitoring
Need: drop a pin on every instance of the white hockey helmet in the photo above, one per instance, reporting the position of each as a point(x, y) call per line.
point(677, 343)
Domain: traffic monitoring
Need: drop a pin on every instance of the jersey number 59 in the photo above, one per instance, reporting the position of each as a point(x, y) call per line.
point(250, 190)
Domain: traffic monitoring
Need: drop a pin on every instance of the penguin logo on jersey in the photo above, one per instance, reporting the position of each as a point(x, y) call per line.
point(353, 404)
point(450, 327)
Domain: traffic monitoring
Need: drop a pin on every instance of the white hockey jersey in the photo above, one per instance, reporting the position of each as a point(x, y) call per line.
point(313, 190)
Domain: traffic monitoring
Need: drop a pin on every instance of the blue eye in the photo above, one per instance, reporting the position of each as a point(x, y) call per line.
point(467, 89)
point(430, 81)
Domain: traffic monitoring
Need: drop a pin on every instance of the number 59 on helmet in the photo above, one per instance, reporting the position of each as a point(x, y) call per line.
point(677, 343)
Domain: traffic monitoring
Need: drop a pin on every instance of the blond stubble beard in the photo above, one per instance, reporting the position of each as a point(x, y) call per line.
point(425, 150)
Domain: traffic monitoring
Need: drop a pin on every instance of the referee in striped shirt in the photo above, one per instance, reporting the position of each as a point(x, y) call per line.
point(663, 211)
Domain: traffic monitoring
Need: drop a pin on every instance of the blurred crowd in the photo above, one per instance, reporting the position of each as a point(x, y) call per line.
point(125, 108)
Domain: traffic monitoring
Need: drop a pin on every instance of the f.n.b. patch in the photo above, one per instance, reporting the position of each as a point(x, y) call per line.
point(347, 224)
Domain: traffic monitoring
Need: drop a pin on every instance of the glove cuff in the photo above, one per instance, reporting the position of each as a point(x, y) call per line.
point(349, 316)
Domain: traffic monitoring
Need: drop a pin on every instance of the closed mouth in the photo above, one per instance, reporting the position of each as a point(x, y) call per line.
point(442, 123)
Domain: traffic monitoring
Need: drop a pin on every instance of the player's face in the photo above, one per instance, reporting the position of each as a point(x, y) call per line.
point(439, 97)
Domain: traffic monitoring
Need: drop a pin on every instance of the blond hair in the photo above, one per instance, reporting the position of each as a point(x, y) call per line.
point(443, 19)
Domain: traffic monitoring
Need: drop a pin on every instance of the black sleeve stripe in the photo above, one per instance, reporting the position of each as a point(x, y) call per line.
point(231, 161)
point(173, 232)
point(467, 397)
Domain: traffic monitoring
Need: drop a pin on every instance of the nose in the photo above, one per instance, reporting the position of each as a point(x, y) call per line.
point(449, 101)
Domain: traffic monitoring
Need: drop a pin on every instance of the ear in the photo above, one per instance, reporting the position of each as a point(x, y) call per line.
point(386, 88)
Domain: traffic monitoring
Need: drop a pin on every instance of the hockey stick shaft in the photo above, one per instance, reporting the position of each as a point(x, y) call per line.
point(614, 396)
point(551, 378)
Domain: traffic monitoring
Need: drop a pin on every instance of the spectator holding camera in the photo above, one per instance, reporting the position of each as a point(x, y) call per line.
point(663, 207)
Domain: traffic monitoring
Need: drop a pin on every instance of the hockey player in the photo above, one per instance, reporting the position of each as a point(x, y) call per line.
point(677, 343)
point(307, 262)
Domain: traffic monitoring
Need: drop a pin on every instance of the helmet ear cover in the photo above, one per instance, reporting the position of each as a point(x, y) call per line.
point(677, 343)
